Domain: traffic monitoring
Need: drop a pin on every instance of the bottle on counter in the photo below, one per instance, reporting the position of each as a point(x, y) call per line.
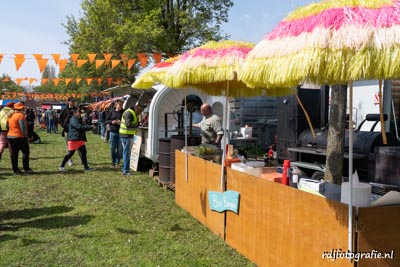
point(295, 177)
point(285, 172)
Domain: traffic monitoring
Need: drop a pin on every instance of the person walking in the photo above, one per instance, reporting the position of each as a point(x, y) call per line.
point(50, 116)
point(76, 139)
point(113, 119)
point(127, 130)
point(210, 126)
point(4, 114)
point(65, 115)
point(18, 139)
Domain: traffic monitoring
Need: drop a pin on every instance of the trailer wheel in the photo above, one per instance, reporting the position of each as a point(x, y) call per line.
point(318, 176)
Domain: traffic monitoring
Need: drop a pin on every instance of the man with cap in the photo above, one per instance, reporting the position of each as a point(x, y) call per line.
point(4, 114)
point(18, 139)
point(127, 130)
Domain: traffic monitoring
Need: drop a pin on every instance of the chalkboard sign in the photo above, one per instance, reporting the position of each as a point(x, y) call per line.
point(135, 152)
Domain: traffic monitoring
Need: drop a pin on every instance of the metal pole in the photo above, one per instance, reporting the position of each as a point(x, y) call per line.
point(224, 139)
point(351, 167)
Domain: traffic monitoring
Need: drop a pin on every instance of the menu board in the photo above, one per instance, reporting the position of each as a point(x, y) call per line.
point(135, 152)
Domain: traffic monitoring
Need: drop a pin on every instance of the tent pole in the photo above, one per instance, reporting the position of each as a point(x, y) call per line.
point(351, 166)
point(224, 139)
point(185, 130)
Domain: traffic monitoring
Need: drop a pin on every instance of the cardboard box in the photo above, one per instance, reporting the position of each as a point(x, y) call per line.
point(315, 185)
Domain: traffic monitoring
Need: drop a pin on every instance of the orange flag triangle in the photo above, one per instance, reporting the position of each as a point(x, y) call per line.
point(107, 57)
point(157, 57)
point(74, 57)
point(62, 63)
point(37, 56)
point(78, 80)
point(1, 58)
point(99, 81)
point(42, 62)
point(131, 62)
point(44, 80)
point(56, 81)
point(89, 81)
point(6, 79)
point(91, 57)
point(68, 81)
point(31, 80)
point(18, 81)
point(143, 59)
point(99, 62)
point(124, 58)
point(19, 60)
point(115, 63)
point(56, 58)
point(109, 81)
point(81, 62)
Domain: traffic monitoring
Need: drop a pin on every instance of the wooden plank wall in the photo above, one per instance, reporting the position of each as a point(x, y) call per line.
point(282, 226)
point(378, 229)
point(192, 195)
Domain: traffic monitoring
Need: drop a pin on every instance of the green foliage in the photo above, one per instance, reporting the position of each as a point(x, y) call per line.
point(100, 218)
point(9, 86)
point(133, 26)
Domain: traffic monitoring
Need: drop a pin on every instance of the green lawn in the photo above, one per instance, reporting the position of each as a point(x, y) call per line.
point(99, 218)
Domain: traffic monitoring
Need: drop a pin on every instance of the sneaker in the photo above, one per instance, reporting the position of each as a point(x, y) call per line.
point(126, 173)
point(62, 169)
point(89, 169)
point(113, 166)
point(30, 171)
point(18, 172)
point(70, 162)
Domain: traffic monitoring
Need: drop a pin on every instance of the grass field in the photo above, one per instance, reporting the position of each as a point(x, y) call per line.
point(99, 218)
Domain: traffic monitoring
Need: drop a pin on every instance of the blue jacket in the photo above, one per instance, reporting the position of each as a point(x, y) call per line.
point(77, 130)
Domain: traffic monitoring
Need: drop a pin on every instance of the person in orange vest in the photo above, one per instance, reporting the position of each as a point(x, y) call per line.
point(18, 139)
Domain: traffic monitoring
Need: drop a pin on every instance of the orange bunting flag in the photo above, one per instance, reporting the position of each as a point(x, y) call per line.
point(124, 58)
point(99, 81)
point(62, 63)
point(131, 62)
point(42, 62)
point(44, 80)
point(1, 58)
point(91, 57)
point(157, 57)
point(74, 57)
point(78, 80)
point(56, 58)
point(109, 81)
point(19, 60)
point(68, 81)
point(56, 81)
point(18, 81)
point(31, 80)
point(81, 62)
point(6, 79)
point(107, 57)
point(115, 63)
point(37, 56)
point(89, 81)
point(99, 63)
point(143, 59)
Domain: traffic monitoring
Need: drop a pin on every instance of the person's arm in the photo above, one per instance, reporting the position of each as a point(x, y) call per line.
point(217, 126)
point(22, 126)
point(129, 120)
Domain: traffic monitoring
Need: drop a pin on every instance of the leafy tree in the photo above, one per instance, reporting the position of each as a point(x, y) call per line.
point(10, 85)
point(133, 26)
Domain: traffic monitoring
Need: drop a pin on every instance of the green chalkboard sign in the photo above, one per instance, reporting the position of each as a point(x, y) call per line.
point(221, 201)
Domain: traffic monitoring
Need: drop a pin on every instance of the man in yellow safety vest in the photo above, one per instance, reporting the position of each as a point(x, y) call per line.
point(127, 130)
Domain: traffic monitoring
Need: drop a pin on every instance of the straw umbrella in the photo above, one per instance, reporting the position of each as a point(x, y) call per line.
point(330, 42)
point(155, 74)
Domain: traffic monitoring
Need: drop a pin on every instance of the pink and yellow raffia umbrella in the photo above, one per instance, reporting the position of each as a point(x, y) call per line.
point(330, 42)
point(213, 68)
point(155, 74)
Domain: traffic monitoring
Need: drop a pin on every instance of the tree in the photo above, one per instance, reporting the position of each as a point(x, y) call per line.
point(336, 135)
point(133, 26)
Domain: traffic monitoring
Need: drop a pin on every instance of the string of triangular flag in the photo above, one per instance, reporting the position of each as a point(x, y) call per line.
point(128, 62)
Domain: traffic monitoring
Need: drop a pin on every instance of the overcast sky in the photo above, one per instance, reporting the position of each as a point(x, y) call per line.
point(30, 27)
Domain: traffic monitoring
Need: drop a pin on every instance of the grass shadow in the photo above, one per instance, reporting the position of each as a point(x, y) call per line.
point(31, 213)
point(127, 231)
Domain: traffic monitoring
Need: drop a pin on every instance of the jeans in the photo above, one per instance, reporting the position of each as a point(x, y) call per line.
point(115, 148)
point(102, 129)
point(126, 146)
